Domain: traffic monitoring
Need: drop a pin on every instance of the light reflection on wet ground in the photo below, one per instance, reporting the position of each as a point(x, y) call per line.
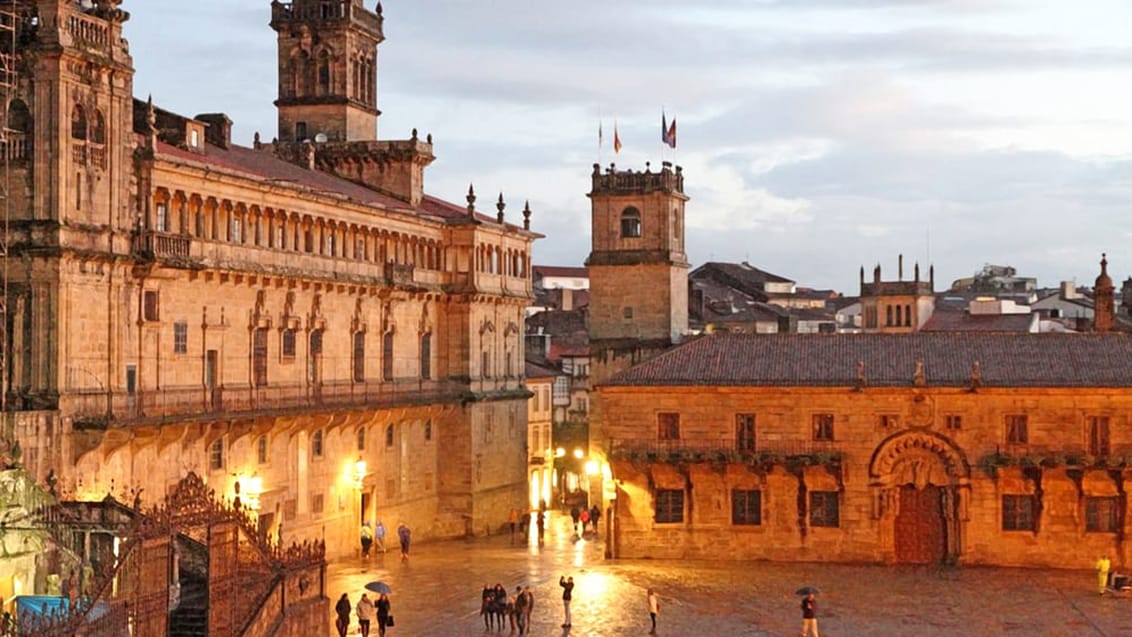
point(437, 593)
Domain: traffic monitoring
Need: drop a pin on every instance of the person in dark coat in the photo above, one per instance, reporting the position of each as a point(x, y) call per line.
point(405, 536)
point(595, 515)
point(342, 609)
point(383, 613)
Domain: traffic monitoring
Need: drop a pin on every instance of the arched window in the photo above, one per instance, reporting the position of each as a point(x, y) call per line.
point(426, 356)
point(359, 357)
point(387, 356)
point(261, 450)
point(324, 73)
point(389, 436)
point(630, 222)
point(98, 128)
point(78, 123)
point(361, 438)
point(216, 455)
point(19, 119)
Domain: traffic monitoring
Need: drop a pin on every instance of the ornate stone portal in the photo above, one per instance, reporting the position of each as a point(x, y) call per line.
point(920, 483)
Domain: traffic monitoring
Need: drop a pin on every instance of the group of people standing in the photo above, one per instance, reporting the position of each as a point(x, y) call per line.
point(367, 611)
point(371, 535)
point(585, 517)
point(498, 608)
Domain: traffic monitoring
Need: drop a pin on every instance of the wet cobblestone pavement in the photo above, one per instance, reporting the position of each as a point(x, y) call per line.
point(437, 593)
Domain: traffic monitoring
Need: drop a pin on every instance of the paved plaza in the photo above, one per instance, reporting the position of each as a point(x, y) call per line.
point(437, 593)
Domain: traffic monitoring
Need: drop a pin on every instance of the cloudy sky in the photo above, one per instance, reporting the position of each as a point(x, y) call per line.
point(816, 135)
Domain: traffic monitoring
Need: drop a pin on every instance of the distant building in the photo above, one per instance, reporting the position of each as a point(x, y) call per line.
point(896, 307)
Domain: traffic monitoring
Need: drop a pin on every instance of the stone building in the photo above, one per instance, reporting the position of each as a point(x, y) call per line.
point(894, 446)
point(298, 322)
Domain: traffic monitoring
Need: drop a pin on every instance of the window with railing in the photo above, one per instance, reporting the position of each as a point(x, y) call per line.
point(359, 356)
point(669, 506)
point(668, 426)
point(745, 432)
point(180, 338)
point(259, 356)
point(162, 213)
point(216, 455)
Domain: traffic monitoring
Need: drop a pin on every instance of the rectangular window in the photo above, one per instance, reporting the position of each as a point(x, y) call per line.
point(162, 217)
point(78, 191)
point(954, 421)
point(1102, 515)
point(667, 426)
point(359, 357)
point(888, 421)
point(216, 455)
point(485, 364)
point(1018, 513)
point(426, 356)
point(387, 356)
point(669, 506)
point(823, 426)
point(360, 249)
point(280, 237)
point(288, 343)
point(180, 338)
point(261, 450)
point(745, 432)
point(150, 305)
point(1017, 429)
point(290, 508)
point(1098, 436)
point(746, 507)
point(259, 356)
point(317, 503)
point(237, 229)
point(825, 509)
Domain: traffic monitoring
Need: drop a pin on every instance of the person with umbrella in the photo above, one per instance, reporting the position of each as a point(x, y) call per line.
point(342, 609)
point(809, 611)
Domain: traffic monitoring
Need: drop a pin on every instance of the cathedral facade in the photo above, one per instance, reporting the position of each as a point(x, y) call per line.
point(298, 322)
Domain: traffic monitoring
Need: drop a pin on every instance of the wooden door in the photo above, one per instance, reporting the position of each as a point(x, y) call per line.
point(920, 534)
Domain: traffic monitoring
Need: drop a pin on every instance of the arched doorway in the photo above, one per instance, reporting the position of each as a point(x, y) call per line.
point(920, 481)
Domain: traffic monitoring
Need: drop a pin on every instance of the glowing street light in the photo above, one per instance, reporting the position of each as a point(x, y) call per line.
point(579, 454)
point(558, 453)
point(359, 473)
point(591, 468)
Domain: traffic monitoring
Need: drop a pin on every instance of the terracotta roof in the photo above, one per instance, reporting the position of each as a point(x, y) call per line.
point(830, 360)
point(560, 270)
point(962, 321)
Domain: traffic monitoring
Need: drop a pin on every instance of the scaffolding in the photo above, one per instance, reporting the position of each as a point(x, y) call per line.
point(10, 13)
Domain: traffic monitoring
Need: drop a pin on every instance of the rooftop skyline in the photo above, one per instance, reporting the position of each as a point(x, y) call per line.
point(816, 136)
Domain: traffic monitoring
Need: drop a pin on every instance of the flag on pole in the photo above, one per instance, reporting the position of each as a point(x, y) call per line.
point(667, 131)
point(600, 136)
point(616, 139)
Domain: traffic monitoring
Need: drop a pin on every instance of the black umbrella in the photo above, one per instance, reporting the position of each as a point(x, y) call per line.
point(807, 590)
point(379, 587)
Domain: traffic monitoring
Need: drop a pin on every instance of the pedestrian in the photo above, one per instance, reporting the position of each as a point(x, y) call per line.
point(379, 535)
point(574, 515)
point(525, 525)
point(567, 584)
point(520, 609)
point(1103, 566)
point(367, 538)
point(486, 598)
point(809, 616)
point(654, 610)
point(513, 520)
point(595, 515)
point(366, 612)
point(384, 614)
point(404, 535)
point(584, 518)
point(528, 608)
point(541, 524)
point(342, 609)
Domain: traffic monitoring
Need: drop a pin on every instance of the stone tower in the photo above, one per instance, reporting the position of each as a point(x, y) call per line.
point(327, 69)
point(1103, 297)
point(637, 267)
point(896, 307)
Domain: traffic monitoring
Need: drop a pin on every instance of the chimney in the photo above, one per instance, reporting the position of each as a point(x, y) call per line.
point(1068, 290)
point(219, 131)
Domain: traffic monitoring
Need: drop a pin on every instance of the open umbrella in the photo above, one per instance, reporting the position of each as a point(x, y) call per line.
point(379, 587)
point(806, 590)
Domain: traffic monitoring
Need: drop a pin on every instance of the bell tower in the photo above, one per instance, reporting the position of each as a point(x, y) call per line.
point(638, 269)
point(327, 69)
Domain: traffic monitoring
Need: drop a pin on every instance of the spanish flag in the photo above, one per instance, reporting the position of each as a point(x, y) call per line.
point(667, 131)
point(616, 139)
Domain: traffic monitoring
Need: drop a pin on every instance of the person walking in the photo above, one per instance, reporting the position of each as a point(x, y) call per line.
point(1103, 566)
point(654, 610)
point(367, 538)
point(342, 609)
point(541, 524)
point(404, 535)
point(584, 517)
point(567, 584)
point(366, 612)
point(809, 616)
point(595, 515)
point(528, 607)
point(513, 520)
point(379, 535)
point(384, 614)
point(574, 515)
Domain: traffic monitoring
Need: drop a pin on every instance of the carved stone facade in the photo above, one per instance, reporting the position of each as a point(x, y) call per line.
point(875, 448)
point(296, 319)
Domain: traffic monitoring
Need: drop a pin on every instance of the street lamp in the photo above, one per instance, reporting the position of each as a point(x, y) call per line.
point(591, 467)
point(359, 473)
point(579, 454)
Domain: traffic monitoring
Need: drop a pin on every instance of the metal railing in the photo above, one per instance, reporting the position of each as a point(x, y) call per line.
point(626, 446)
